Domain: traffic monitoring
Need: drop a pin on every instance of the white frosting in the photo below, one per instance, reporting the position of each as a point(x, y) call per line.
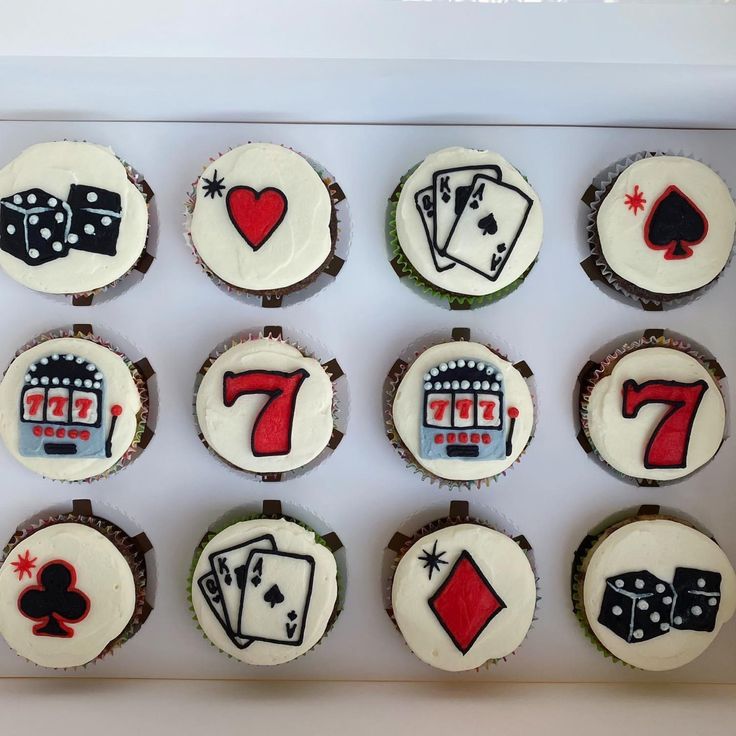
point(53, 167)
point(295, 249)
point(228, 429)
point(621, 442)
point(289, 538)
point(621, 230)
point(413, 238)
point(505, 567)
point(658, 546)
point(119, 388)
point(409, 400)
point(102, 574)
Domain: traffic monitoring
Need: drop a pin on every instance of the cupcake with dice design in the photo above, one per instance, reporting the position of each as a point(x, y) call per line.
point(74, 219)
point(651, 590)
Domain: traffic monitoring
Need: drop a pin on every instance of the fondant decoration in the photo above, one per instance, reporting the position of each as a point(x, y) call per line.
point(658, 414)
point(667, 447)
point(256, 215)
point(264, 407)
point(71, 220)
point(55, 602)
point(465, 603)
point(61, 407)
point(638, 606)
point(468, 221)
point(462, 412)
point(463, 595)
point(69, 408)
point(666, 225)
point(271, 230)
point(264, 590)
point(66, 593)
point(656, 592)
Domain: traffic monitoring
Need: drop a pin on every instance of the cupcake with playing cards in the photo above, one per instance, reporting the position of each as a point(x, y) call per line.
point(265, 590)
point(465, 226)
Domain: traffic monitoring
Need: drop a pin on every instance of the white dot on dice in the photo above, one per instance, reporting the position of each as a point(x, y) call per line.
point(638, 634)
point(701, 583)
point(91, 197)
point(45, 233)
point(10, 229)
point(696, 610)
point(89, 229)
point(677, 620)
point(33, 219)
point(659, 588)
point(73, 237)
point(57, 246)
point(642, 605)
point(32, 199)
point(33, 253)
point(654, 616)
point(617, 610)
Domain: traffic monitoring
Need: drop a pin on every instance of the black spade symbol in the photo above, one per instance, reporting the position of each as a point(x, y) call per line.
point(675, 224)
point(273, 596)
point(54, 601)
point(488, 224)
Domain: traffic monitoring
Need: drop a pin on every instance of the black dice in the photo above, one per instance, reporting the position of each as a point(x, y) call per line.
point(33, 226)
point(96, 221)
point(698, 595)
point(637, 606)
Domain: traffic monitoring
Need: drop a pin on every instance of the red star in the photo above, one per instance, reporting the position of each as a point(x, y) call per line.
point(635, 201)
point(24, 564)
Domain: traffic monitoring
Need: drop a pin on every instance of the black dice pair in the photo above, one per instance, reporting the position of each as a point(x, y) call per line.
point(37, 227)
point(638, 606)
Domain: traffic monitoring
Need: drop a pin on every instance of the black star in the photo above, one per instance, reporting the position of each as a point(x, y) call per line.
point(433, 559)
point(213, 186)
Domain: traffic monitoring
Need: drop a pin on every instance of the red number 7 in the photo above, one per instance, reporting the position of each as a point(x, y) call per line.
point(271, 434)
point(667, 446)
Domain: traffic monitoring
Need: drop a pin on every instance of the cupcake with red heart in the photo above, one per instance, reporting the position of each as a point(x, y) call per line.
point(267, 222)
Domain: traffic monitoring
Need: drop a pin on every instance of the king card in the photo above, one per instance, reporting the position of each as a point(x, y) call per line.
point(276, 596)
point(424, 200)
point(489, 225)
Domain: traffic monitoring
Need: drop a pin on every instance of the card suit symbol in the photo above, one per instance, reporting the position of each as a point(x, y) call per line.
point(474, 205)
point(228, 579)
point(54, 601)
point(488, 224)
point(462, 195)
point(273, 596)
point(291, 615)
point(675, 224)
point(501, 247)
point(240, 576)
point(256, 215)
point(445, 197)
point(256, 580)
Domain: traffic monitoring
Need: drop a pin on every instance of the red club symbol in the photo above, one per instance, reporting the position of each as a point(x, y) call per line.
point(256, 215)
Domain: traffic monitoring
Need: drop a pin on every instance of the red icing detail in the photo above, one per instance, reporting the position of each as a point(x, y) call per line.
point(73, 434)
point(635, 201)
point(668, 444)
point(34, 402)
point(24, 564)
point(83, 405)
point(57, 404)
point(49, 431)
point(256, 215)
point(116, 410)
point(513, 412)
point(675, 249)
point(37, 431)
point(438, 409)
point(271, 434)
point(486, 438)
point(463, 436)
point(451, 437)
point(465, 603)
point(463, 407)
point(439, 439)
point(84, 435)
point(488, 408)
point(475, 438)
point(60, 433)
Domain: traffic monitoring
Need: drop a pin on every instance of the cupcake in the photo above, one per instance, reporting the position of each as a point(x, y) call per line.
point(72, 588)
point(265, 221)
point(465, 226)
point(458, 412)
point(651, 590)
point(653, 409)
point(73, 408)
point(265, 590)
point(462, 593)
point(73, 219)
point(661, 228)
point(266, 406)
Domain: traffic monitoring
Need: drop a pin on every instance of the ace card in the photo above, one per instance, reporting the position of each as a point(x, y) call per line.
point(278, 588)
point(489, 225)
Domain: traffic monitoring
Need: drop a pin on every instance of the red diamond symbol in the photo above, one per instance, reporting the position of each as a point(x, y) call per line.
point(465, 603)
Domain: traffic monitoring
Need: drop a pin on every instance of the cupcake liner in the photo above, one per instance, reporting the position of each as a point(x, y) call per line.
point(595, 370)
point(396, 375)
point(142, 373)
point(132, 548)
point(404, 268)
point(596, 265)
point(459, 513)
point(309, 348)
point(340, 230)
point(272, 509)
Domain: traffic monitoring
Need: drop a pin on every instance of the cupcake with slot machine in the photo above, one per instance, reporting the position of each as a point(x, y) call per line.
point(74, 220)
point(458, 412)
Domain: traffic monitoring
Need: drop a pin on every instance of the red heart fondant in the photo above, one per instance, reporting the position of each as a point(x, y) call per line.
point(256, 214)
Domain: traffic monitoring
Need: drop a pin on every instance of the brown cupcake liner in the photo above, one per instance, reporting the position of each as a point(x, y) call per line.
point(596, 267)
point(309, 348)
point(396, 375)
point(594, 370)
point(340, 232)
point(459, 513)
point(132, 548)
point(142, 373)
